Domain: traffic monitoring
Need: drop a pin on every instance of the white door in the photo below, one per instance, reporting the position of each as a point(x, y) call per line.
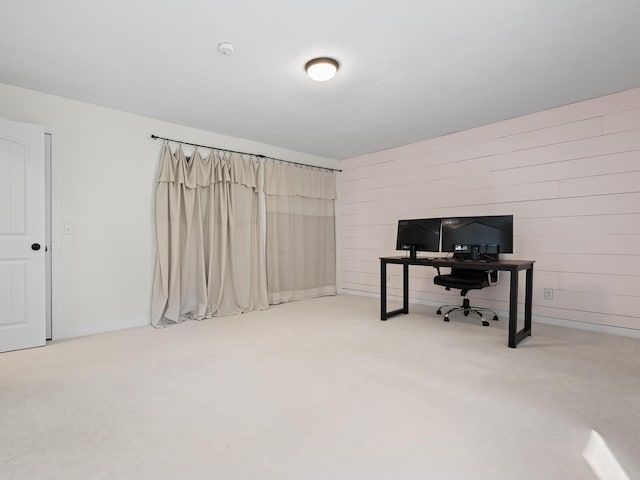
point(22, 236)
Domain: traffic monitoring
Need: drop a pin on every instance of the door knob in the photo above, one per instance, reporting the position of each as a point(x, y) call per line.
point(35, 246)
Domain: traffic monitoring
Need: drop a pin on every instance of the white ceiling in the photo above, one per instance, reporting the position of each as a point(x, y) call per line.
point(411, 70)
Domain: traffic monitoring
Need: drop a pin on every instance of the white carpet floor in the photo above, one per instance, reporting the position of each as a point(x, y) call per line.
point(319, 389)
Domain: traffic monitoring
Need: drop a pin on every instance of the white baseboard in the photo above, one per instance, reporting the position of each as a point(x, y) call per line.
point(94, 330)
point(559, 322)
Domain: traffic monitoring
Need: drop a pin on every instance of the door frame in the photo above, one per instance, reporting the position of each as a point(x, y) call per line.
point(57, 322)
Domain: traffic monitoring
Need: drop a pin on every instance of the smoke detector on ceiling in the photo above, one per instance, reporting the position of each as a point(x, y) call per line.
point(226, 48)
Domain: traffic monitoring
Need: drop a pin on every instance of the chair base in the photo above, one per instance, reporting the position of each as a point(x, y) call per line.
point(467, 308)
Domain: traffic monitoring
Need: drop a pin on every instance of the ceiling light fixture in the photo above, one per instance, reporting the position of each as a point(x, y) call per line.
point(322, 69)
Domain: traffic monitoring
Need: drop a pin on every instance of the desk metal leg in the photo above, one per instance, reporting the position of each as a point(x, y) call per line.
point(405, 288)
point(383, 292)
point(528, 301)
point(515, 336)
point(513, 309)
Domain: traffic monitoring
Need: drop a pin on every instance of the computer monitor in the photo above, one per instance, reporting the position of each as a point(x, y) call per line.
point(493, 234)
point(418, 235)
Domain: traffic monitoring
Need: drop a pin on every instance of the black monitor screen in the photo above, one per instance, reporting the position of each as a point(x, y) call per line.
point(419, 235)
point(490, 230)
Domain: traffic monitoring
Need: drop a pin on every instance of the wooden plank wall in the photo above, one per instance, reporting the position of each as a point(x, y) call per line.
point(571, 178)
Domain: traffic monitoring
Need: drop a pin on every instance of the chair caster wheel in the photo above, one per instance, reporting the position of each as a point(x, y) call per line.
point(485, 323)
point(446, 318)
point(495, 317)
point(439, 311)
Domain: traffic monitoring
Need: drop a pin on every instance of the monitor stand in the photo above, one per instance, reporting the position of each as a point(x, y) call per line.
point(412, 252)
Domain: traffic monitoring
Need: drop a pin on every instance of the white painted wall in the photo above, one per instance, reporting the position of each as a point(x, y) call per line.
point(571, 178)
point(108, 172)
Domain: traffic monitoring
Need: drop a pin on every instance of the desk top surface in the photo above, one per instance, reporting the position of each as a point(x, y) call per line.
point(511, 264)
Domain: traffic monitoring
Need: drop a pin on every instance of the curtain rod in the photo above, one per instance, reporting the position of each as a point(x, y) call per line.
point(156, 137)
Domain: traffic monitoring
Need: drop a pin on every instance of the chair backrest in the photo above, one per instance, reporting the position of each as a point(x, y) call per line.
point(463, 279)
point(468, 274)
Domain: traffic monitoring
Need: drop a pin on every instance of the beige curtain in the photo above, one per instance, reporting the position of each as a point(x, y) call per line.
point(301, 249)
point(209, 259)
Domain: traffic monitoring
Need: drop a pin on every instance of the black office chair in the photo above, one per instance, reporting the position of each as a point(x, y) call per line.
point(465, 280)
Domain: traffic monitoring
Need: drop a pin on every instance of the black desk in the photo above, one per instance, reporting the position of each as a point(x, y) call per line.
point(512, 266)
